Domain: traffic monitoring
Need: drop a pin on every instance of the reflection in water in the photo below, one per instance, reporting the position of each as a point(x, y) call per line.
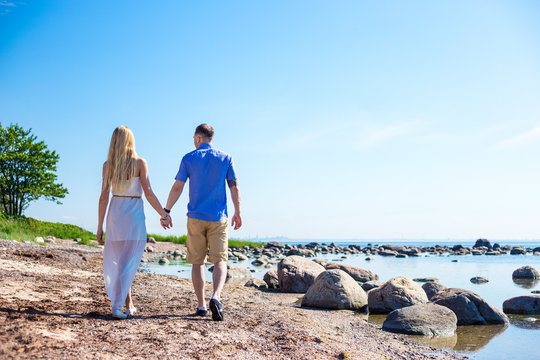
point(529, 322)
point(525, 283)
point(467, 338)
point(475, 337)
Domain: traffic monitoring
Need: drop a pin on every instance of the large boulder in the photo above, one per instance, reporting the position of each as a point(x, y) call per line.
point(356, 273)
point(431, 288)
point(482, 243)
point(296, 274)
point(524, 305)
point(422, 319)
point(469, 307)
point(395, 294)
point(271, 279)
point(335, 289)
point(526, 272)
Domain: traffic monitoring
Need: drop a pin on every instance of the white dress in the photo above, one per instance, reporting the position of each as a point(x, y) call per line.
point(125, 239)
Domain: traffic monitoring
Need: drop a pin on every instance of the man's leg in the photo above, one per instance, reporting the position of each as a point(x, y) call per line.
point(218, 277)
point(197, 277)
point(196, 255)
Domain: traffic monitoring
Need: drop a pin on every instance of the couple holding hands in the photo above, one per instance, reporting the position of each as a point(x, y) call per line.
point(126, 174)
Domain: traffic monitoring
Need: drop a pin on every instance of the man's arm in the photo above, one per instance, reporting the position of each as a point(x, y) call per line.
point(175, 193)
point(236, 221)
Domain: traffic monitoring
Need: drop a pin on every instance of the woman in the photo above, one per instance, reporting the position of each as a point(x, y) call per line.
point(127, 175)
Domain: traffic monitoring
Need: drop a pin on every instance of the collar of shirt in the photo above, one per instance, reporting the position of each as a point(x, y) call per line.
point(204, 146)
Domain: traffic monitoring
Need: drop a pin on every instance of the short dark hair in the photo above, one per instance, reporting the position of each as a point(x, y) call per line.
point(205, 131)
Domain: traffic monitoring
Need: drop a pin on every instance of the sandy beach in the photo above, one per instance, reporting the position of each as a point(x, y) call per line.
point(53, 305)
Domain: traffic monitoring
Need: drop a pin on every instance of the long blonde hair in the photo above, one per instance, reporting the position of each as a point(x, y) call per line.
point(122, 159)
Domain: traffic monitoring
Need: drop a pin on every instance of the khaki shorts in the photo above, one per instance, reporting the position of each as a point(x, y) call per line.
point(203, 235)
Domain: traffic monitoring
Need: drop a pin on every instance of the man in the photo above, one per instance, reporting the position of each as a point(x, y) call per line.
point(207, 169)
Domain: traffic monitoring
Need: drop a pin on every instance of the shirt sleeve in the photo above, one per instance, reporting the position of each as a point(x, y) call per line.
point(231, 173)
point(182, 174)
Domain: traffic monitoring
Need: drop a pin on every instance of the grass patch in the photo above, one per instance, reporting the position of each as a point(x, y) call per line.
point(183, 239)
point(26, 228)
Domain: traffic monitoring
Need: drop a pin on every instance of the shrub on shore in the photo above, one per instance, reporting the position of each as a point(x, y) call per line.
point(27, 228)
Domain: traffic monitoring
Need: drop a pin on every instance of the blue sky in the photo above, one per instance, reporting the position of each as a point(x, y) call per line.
point(346, 119)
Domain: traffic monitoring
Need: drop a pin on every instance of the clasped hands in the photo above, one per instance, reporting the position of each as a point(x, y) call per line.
point(166, 222)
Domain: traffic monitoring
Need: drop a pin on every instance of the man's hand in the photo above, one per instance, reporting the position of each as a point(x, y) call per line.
point(236, 221)
point(99, 236)
point(166, 222)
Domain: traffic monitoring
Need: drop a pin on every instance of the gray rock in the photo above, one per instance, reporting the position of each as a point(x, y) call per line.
point(469, 307)
point(271, 279)
point(163, 261)
point(356, 273)
point(296, 274)
point(426, 279)
point(526, 272)
point(39, 239)
point(237, 272)
point(50, 239)
point(321, 262)
point(523, 305)
point(149, 248)
point(422, 319)
point(518, 251)
point(372, 284)
point(335, 289)
point(431, 288)
point(151, 240)
point(479, 280)
point(257, 283)
point(395, 294)
point(260, 262)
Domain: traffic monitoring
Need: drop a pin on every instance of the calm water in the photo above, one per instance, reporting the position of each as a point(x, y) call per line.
point(517, 341)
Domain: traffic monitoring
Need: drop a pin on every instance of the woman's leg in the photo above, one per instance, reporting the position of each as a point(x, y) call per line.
point(129, 301)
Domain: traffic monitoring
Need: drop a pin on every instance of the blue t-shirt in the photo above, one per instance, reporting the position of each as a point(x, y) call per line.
point(207, 169)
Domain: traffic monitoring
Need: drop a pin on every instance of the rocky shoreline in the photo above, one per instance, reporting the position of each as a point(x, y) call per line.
point(53, 305)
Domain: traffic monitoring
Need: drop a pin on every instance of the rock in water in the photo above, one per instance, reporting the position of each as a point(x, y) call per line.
point(368, 285)
point(335, 289)
point(422, 319)
point(237, 272)
point(356, 273)
point(395, 294)
point(271, 279)
point(523, 305)
point(431, 288)
point(469, 307)
point(296, 274)
point(526, 272)
point(163, 261)
point(479, 280)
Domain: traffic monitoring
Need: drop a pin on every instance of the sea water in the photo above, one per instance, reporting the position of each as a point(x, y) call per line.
point(519, 340)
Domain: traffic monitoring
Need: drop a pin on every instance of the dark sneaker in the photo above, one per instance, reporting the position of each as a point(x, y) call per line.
point(217, 310)
point(201, 312)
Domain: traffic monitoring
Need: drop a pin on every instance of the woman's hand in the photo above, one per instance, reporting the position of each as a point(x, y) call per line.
point(166, 222)
point(99, 235)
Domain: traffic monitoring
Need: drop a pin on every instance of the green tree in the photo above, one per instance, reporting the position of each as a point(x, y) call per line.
point(27, 170)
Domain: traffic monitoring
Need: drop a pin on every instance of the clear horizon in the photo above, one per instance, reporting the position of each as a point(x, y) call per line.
point(355, 119)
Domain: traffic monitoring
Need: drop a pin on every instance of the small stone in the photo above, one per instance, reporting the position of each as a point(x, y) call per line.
point(256, 283)
point(163, 261)
point(151, 240)
point(39, 239)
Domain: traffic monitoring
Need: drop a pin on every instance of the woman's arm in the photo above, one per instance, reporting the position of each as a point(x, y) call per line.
point(103, 202)
point(148, 193)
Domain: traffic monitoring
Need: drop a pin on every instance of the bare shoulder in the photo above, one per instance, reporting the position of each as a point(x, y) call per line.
point(141, 161)
point(142, 166)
